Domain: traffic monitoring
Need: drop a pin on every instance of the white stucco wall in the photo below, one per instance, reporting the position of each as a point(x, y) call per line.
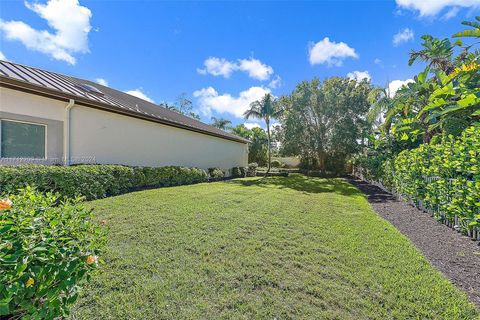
point(116, 139)
point(14, 101)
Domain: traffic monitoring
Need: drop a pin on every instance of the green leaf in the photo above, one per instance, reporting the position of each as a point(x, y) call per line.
point(468, 33)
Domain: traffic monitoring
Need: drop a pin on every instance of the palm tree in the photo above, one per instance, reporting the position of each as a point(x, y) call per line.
point(220, 123)
point(266, 109)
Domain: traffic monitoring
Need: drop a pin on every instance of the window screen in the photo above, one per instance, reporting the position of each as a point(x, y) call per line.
point(22, 140)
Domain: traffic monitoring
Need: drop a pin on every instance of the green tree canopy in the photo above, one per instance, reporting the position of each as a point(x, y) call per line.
point(325, 122)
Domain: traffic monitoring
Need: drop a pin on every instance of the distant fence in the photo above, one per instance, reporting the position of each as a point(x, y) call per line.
point(50, 161)
point(450, 221)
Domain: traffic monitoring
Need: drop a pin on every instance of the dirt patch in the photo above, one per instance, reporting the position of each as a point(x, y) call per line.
point(455, 255)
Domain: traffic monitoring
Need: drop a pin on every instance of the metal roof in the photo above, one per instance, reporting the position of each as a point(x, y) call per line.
point(56, 85)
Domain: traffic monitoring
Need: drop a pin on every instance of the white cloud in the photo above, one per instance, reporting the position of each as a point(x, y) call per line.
point(209, 99)
point(433, 7)
point(402, 36)
point(377, 61)
point(275, 83)
point(102, 81)
point(395, 85)
point(331, 53)
point(223, 67)
point(69, 20)
point(451, 13)
point(218, 67)
point(255, 69)
point(2, 56)
point(139, 94)
point(359, 75)
point(251, 125)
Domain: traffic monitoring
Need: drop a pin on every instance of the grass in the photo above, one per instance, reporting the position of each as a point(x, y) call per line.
point(279, 248)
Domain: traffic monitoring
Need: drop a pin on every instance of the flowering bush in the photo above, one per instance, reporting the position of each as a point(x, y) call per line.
point(48, 247)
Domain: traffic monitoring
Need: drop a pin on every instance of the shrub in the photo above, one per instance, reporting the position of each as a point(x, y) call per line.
point(238, 172)
point(216, 174)
point(252, 169)
point(276, 164)
point(94, 181)
point(455, 189)
point(445, 176)
point(48, 247)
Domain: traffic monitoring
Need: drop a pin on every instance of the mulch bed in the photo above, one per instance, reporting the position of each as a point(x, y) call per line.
point(455, 255)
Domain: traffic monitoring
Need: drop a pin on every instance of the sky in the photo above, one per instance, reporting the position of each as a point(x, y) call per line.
point(224, 55)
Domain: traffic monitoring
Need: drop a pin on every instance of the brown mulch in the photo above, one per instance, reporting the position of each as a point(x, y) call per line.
point(454, 254)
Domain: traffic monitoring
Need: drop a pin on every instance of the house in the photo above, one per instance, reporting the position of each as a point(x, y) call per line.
point(50, 118)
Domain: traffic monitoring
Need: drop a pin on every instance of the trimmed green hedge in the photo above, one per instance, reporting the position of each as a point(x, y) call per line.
point(455, 189)
point(94, 181)
point(452, 169)
point(216, 174)
point(239, 172)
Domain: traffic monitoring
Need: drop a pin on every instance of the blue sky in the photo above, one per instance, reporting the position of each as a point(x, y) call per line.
point(223, 55)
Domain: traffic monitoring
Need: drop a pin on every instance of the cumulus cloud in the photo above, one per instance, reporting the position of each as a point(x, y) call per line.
point(330, 53)
point(430, 8)
point(139, 94)
point(2, 56)
point(223, 67)
point(395, 85)
point(251, 125)
point(70, 22)
point(102, 81)
point(359, 75)
point(210, 100)
point(255, 68)
point(218, 67)
point(402, 36)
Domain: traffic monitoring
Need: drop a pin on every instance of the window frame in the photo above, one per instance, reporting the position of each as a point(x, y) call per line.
point(25, 122)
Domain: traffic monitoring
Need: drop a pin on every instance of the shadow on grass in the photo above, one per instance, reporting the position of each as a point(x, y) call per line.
point(302, 183)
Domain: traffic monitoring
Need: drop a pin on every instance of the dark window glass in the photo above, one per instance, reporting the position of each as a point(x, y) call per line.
point(22, 140)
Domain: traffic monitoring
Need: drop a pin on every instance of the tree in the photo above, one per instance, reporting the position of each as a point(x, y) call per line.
point(221, 123)
point(265, 109)
point(257, 148)
point(323, 122)
point(436, 53)
point(183, 106)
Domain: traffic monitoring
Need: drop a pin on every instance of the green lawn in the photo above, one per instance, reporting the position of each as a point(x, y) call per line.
point(277, 248)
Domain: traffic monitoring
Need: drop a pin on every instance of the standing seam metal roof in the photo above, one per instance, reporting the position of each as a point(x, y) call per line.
point(112, 100)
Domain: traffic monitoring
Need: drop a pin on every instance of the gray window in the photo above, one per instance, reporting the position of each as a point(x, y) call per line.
point(22, 140)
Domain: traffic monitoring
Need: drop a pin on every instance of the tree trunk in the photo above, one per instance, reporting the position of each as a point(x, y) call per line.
point(267, 121)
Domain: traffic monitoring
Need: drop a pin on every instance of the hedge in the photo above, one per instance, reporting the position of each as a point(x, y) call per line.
point(48, 247)
point(445, 177)
point(239, 172)
point(216, 174)
point(94, 181)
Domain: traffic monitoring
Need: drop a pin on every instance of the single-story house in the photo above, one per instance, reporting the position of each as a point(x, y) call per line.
point(47, 117)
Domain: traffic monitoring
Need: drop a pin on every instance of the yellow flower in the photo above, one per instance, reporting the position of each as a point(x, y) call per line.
point(5, 204)
point(92, 259)
point(30, 282)
point(473, 66)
